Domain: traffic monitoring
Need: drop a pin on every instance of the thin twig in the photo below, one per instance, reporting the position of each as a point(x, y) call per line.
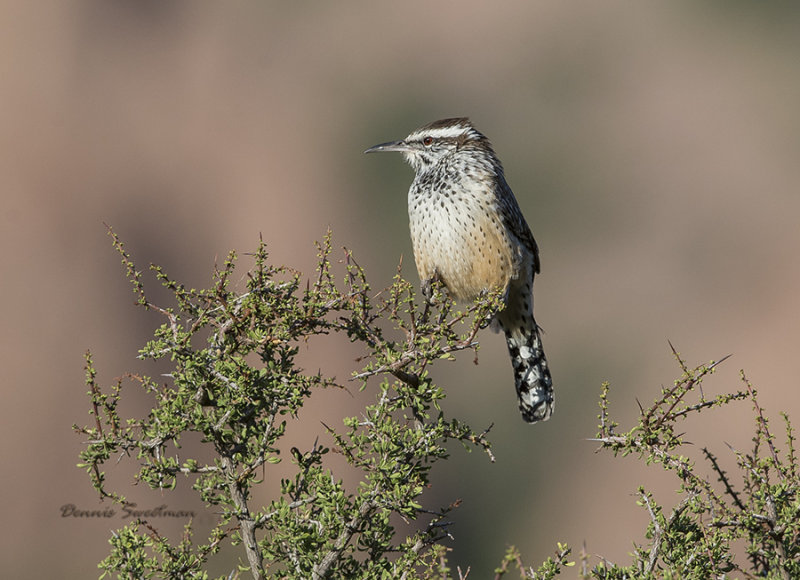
point(322, 569)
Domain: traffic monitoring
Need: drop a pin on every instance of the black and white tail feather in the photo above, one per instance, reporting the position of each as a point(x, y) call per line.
point(531, 373)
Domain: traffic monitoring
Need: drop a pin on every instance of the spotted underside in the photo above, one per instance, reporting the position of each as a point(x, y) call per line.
point(456, 240)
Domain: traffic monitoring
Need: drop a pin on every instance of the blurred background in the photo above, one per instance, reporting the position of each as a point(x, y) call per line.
point(653, 147)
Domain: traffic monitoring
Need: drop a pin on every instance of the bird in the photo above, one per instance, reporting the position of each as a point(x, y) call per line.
point(468, 232)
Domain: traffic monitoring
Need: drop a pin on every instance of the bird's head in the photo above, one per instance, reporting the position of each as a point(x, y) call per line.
point(427, 146)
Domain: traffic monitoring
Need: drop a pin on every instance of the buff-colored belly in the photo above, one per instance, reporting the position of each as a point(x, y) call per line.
point(470, 256)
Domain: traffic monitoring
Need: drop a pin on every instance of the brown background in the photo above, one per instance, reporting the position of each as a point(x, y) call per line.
point(653, 148)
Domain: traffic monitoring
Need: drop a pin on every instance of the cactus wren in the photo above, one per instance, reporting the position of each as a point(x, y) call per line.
point(468, 231)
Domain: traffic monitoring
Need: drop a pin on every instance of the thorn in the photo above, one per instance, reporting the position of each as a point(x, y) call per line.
point(720, 361)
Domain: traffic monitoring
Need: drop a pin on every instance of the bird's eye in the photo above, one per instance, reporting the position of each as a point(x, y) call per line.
point(427, 141)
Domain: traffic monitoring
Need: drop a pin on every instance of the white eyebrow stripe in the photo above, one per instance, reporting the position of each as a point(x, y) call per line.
point(442, 132)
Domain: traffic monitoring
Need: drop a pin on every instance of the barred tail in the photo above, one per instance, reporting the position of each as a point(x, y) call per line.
point(531, 373)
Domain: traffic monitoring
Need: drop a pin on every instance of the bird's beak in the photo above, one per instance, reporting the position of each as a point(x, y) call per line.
point(390, 146)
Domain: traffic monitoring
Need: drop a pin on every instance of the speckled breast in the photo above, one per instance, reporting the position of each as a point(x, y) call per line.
point(457, 232)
